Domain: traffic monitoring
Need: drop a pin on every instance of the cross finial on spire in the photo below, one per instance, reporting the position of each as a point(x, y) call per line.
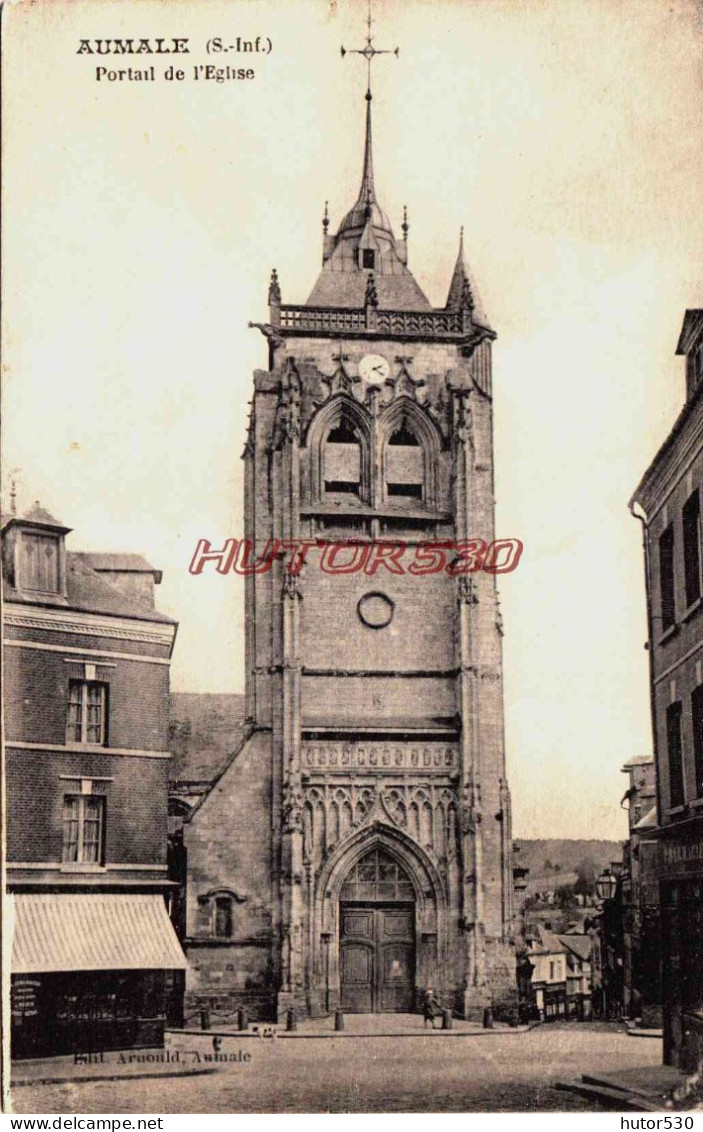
point(369, 52)
point(367, 195)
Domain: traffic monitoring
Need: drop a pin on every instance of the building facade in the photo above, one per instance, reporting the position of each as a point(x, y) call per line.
point(548, 956)
point(640, 898)
point(667, 502)
point(579, 975)
point(357, 848)
point(95, 962)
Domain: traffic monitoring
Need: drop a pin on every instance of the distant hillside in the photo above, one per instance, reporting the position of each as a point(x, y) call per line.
point(552, 857)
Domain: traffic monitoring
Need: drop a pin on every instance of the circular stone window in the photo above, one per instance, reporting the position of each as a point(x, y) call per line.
point(375, 610)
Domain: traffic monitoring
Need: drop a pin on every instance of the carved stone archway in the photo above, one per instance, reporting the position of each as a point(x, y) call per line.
point(431, 925)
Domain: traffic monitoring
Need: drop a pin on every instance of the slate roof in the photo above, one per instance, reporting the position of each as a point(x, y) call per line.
point(124, 563)
point(548, 940)
point(342, 282)
point(39, 514)
point(581, 945)
point(692, 320)
point(461, 275)
point(691, 409)
point(205, 729)
point(397, 290)
point(88, 592)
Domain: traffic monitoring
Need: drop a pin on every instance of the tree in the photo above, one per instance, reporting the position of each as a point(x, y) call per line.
point(585, 877)
point(565, 897)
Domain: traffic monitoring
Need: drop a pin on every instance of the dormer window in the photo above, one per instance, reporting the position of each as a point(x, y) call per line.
point(33, 554)
point(39, 562)
point(404, 465)
point(368, 258)
point(342, 460)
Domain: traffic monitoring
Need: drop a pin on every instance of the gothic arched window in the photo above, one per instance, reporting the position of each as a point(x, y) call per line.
point(377, 876)
point(404, 465)
point(341, 460)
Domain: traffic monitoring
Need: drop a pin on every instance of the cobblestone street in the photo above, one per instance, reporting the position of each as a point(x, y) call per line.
point(495, 1073)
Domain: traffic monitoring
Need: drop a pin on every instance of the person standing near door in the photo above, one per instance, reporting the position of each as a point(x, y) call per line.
point(431, 1007)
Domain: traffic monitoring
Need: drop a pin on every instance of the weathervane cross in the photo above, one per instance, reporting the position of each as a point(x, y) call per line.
point(369, 52)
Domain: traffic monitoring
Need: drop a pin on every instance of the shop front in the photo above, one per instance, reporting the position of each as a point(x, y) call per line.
point(681, 888)
point(92, 973)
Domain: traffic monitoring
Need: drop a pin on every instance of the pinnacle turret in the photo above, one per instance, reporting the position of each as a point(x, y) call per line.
point(462, 289)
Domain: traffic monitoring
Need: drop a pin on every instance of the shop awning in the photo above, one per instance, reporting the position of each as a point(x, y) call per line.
point(93, 932)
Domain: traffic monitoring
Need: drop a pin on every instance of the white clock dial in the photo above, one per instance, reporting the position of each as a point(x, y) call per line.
point(374, 368)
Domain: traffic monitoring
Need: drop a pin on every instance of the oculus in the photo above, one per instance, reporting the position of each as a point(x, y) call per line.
point(375, 610)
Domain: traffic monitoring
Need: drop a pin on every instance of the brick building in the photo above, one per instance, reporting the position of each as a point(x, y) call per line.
point(357, 847)
point(95, 961)
point(667, 501)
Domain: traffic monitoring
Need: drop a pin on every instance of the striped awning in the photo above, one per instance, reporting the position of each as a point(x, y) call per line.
point(93, 932)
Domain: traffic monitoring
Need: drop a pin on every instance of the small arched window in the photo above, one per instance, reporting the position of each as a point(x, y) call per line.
point(404, 464)
point(341, 460)
point(223, 918)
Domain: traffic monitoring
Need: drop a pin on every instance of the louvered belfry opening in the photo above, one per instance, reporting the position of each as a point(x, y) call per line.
point(404, 464)
point(342, 460)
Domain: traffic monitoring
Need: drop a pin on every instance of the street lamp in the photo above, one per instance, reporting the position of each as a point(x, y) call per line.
point(610, 931)
point(606, 885)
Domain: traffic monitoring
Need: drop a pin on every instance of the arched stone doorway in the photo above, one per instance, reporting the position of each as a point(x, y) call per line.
point(377, 936)
point(425, 896)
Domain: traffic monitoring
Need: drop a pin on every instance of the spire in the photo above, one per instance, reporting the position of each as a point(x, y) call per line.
point(364, 241)
point(462, 291)
point(367, 192)
point(459, 277)
point(367, 206)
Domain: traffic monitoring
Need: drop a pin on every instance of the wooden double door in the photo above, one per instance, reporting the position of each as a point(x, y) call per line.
point(377, 957)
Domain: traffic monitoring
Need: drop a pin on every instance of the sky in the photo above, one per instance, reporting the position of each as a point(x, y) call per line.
point(142, 219)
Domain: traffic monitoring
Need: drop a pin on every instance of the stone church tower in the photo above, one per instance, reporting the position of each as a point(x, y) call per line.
point(362, 832)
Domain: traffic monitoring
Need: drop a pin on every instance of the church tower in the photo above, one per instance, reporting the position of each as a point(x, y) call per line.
point(365, 824)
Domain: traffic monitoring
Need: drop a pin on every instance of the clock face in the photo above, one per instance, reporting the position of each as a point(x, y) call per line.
point(374, 368)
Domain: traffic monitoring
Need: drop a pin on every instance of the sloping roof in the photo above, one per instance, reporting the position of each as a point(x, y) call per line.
point(581, 945)
point(548, 940)
point(692, 321)
point(690, 411)
point(397, 291)
point(648, 820)
point(39, 514)
point(93, 932)
point(205, 729)
point(124, 563)
point(638, 760)
point(88, 592)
